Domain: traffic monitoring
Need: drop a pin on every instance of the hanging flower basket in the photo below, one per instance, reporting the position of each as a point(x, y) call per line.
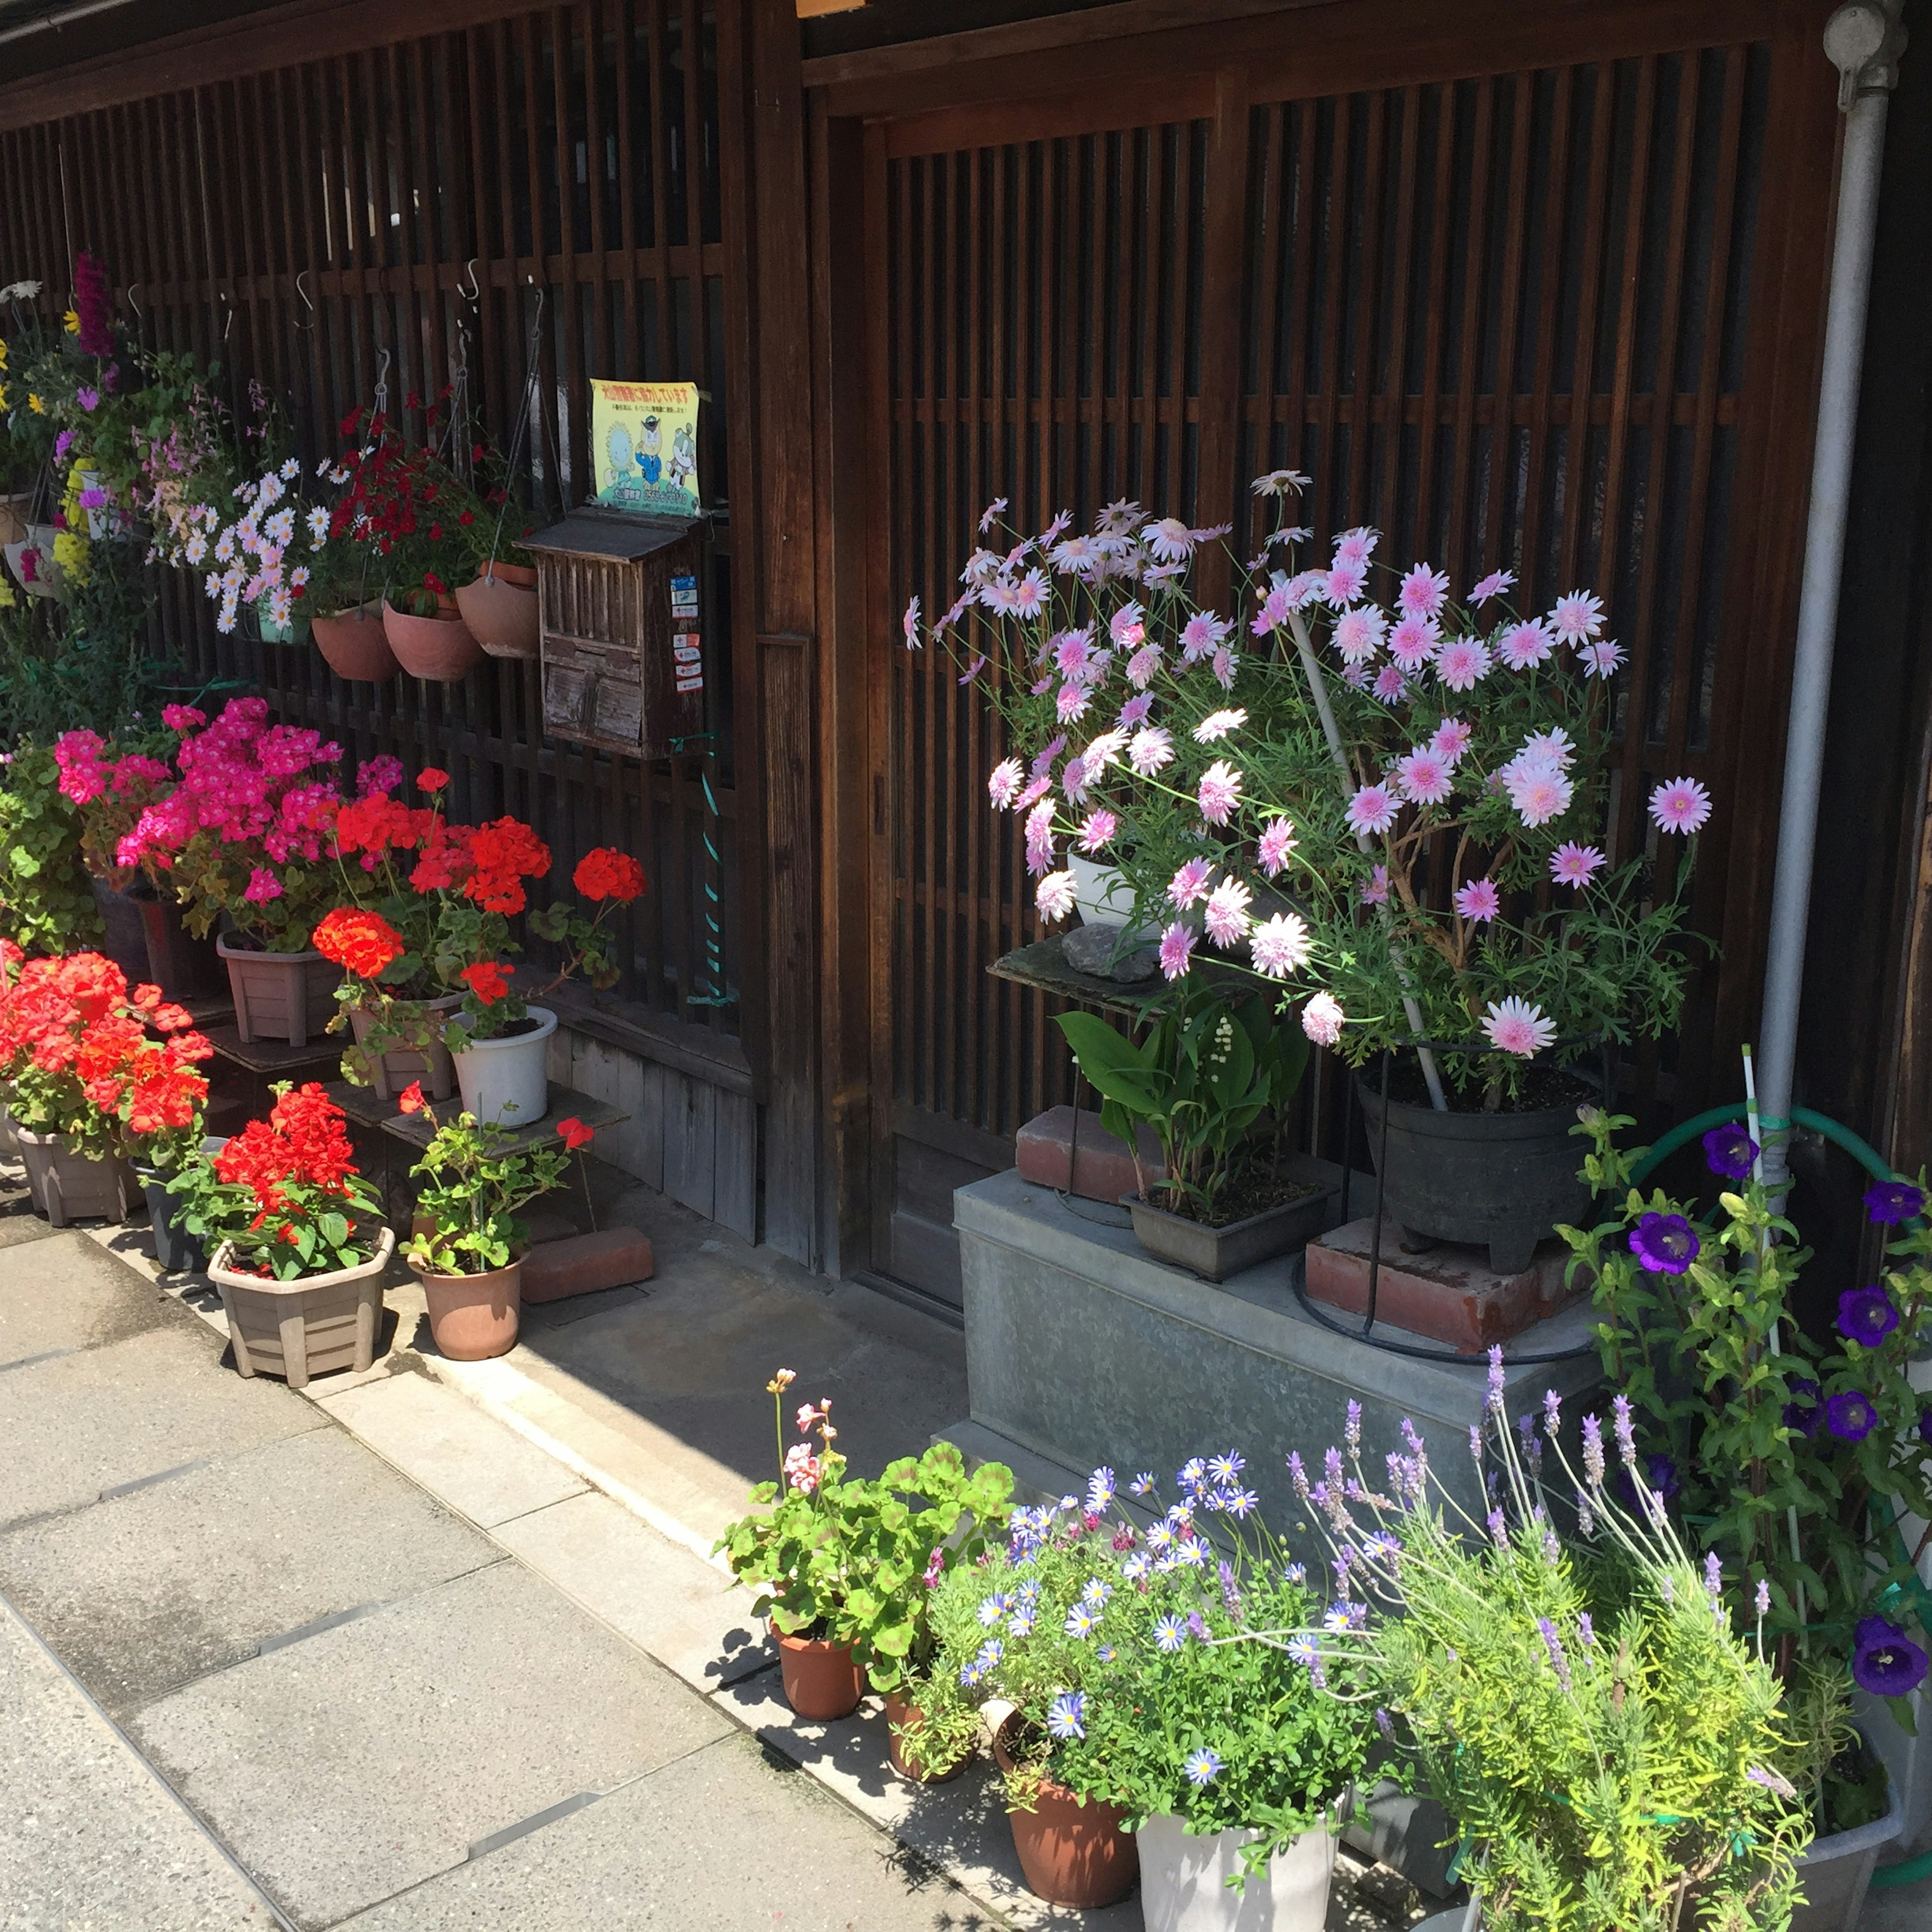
point(439, 648)
point(355, 645)
point(500, 609)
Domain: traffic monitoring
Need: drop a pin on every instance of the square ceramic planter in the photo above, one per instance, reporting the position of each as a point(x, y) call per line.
point(281, 996)
point(1216, 1253)
point(1184, 1884)
point(298, 1329)
point(67, 1187)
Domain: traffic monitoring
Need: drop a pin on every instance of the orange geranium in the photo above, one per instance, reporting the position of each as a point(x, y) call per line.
point(365, 942)
point(608, 874)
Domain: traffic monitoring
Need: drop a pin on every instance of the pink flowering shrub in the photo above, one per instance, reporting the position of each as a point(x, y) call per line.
point(1353, 781)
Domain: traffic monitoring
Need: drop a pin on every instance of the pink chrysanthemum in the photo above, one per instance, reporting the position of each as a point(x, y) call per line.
point(1218, 792)
point(1321, 1019)
point(1577, 618)
point(1601, 658)
point(1413, 641)
point(1423, 591)
point(1540, 793)
point(1359, 633)
point(1003, 784)
point(1176, 949)
point(1227, 917)
point(1190, 882)
point(1277, 840)
point(1053, 896)
point(1280, 946)
point(1343, 585)
point(1142, 665)
point(1373, 808)
point(1100, 826)
point(1574, 865)
point(1424, 776)
point(1071, 704)
point(1478, 902)
point(1357, 546)
point(1525, 645)
point(1202, 633)
point(1683, 805)
point(1462, 663)
point(1217, 724)
point(1451, 739)
point(1072, 652)
point(1152, 748)
point(1514, 1026)
point(1375, 893)
point(1493, 585)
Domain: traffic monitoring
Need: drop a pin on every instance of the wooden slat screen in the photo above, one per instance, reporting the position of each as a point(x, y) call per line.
point(511, 208)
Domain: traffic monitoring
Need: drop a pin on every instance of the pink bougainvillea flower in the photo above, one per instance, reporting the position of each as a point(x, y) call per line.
point(1493, 585)
point(1217, 724)
point(1100, 826)
point(1373, 808)
point(1462, 663)
point(1413, 642)
point(1053, 896)
point(1478, 902)
point(1515, 1026)
point(1357, 546)
point(1190, 882)
point(1218, 792)
point(1279, 946)
point(1424, 775)
point(1176, 949)
point(1227, 918)
point(1390, 686)
point(1375, 893)
point(1574, 864)
point(1002, 783)
point(1424, 591)
point(1451, 739)
point(1682, 805)
point(1577, 617)
point(1277, 840)
point(1540, 793)
point(1359, 633)
point(1322, 1019)
point(1601, 658)
point(1343, 585)
point(1525, 645)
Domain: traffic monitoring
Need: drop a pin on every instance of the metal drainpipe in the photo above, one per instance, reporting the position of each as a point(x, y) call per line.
point(1863, 40)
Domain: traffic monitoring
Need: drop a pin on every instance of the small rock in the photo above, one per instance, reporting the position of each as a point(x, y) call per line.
point(1091, 949)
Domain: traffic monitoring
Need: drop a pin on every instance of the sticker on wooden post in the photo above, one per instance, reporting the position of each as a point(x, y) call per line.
point(644, 438)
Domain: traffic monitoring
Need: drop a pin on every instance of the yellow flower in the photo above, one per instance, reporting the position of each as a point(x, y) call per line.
point(3, 352)
point(71, 553)
point(6, 595)
point(39, 408)
point(3, 395)
point(70, 321)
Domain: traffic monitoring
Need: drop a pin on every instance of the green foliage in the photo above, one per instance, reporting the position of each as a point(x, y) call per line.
point(475, 1179)
point(46, 903)
point(78, 664)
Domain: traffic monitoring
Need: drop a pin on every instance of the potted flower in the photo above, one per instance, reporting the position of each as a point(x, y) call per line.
point(1268, 780)
point(844, 1568)
point(499, 603)
point(1213, 1078)
point(468, 1248)
point(1615, 1753)
point(296, 1237)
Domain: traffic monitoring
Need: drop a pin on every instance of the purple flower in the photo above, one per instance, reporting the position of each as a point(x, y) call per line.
point(1730, 1151)
point(1593, 1451)
point(1866, 1315)
point(1892, 1201)
point(1664, 1243)
point(1554, 1645)
point(1499, 1529)
point(1586, 1631)
point(1925, 1426)
point(1804, 1416)
point(1660, 1478)
point(89, 399)
point(62, 444)
point(1496, 1379)
point(1886, 1662)
point(1850, 1416)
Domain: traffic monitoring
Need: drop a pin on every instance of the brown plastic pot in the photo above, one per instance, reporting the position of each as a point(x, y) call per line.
point(1071, 1853)
point(355, 645)
point(501, 615)
point(440, 648)
point(901, 1714)
point(390, 1072)
point(821, 1682)
point(312, 1327)
point(472, 1318)
point(281, 996)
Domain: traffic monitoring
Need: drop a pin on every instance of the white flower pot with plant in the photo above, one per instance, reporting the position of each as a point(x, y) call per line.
point(1202, 1882)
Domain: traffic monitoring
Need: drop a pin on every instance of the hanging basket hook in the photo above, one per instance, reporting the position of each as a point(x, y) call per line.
point(306, 327)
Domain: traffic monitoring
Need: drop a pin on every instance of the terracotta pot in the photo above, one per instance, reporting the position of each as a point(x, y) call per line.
point(472, 1317)
point(501, 615)
point(298, 1329)
point(821, 1682)
point(392, 1071)
point(901, 1714)
point(288, 996)
point(440, 648)
point(355, 645)
point(1071, 1853)
point(524, 575)
point(67, 1187)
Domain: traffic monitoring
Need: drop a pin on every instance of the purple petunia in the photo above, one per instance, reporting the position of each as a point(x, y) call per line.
point(1885, 1661)
point(1660, 1478)
point(1664, 1243)
point(1730, 1151)
point(1850, 1416)
point(1890, 1202)
point(1866, 1315)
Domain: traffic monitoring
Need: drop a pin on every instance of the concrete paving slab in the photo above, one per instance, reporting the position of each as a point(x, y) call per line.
point(19, 1223)
point(718, 1842)
point(687, 1614)
point(151, 1588)
point(90, 1841)
point(63, 1292)
point(368, 1758)
point(434, 1434)
point(80, 1423)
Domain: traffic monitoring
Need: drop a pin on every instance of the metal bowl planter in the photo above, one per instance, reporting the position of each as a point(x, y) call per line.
point(439, 648)
point(500, 607)
point(281, 996)
point(67, 1187)
point(1216, 1253)
point(356, 646)
point(1184, 1881)
point(312, 1327)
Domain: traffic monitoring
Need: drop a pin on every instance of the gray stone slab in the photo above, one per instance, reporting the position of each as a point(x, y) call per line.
point(20, 1223)
point(367, 1758)
point(719, 1842)
point(81, 1424)
point(63, 1292)
point(90, 1841)
point(442, 1441)
point(158, 1585)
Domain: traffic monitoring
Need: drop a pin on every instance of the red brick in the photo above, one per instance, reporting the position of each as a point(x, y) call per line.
point(584, 1263)
point(1447, 1293)
point(1044, 1152)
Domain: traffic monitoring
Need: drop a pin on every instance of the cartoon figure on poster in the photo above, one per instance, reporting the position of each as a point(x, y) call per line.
point(645, 436)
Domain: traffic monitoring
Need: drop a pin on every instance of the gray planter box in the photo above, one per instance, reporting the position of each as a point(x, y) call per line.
point(1215, 1253)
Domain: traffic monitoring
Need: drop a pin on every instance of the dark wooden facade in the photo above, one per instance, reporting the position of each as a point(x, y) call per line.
point(1535, 282)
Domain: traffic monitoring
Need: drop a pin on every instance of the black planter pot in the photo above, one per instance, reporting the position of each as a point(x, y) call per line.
point(184, 967)
point(176, 1251)
point(126, 943)
point(1501, 1181)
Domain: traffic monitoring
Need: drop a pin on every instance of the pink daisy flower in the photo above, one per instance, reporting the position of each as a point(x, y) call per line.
point(1525, 644)
point(1002, 783)
point(1053, 896)
point(998, 597)
point(990, 514)
point(1035, 791)
point(1223, 665)
point(1039, 837)
point(1515, 1026)
point(1142, 665)
point(1071, 704)
point(1272, 615)
point(1047, 753)
point(1412, 641)
point(1280, 946)
point(1357, 546)
point(1176, 949)
point(1577, 618)
point(1390, 685)
point(1375, 893)
point(1189, 883)
point(909, 624)
point(973, 670)
point(1218, 792)
point(1227, 917)
point(1135, 711)
point(1478, 902)
point(1277, 840)
point(1040, 689)
point(1424, 776)
point(1305, 587)
point(1152, 748)
point(1423, 591)
point(1493, 585)
point(1170, 541)
point(1343, 584)
point(1030, 595)
point(1217, 724)
point(1601, 658)
point(1075, 776)
point(1574, 864)
point(1072, 652)
point(1373, 808)
point(1321, 1019)
point(1683, 805)
point(1359, 633)
point(1462, 663)
point(1201, 634)
point(1100, 826)
point(1127, 626)
point(1539, 792)
point(1451, 740)
point(1548, 748)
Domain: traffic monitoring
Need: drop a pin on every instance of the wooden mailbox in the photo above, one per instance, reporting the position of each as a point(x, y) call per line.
point(622, 646)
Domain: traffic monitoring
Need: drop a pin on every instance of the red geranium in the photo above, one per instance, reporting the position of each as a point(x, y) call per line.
point(608, 874)
point(574, 1133)
point(485, 978)
point(364, 942)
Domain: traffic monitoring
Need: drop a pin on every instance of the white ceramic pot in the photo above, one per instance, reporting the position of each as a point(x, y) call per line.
point(504, 1081)
point(1101, 892)
point(1184, 1881)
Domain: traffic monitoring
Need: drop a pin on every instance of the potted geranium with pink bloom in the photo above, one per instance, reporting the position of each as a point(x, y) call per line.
point(1388, 801)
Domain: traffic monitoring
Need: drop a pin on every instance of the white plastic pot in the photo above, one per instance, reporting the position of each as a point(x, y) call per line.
point(503, 1082)
point(1184, 1881)
point(1101, 892)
